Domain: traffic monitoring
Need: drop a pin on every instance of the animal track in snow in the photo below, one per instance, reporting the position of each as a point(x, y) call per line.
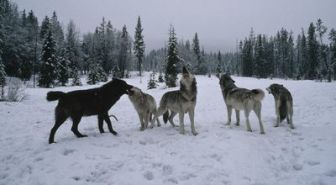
point(149, 175)
point(68, 151)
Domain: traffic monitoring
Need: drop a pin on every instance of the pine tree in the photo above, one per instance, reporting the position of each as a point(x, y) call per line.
point(63, 69)
point(160, 78)
point(152, 81)
point(260, 58)
point(172, 59)
point(75, 79)
point(94, 75)
point(2, 77)
point(247, 58)
point(45, 27)
point(332, 38)
point(73, 52)
point(49, 62)
point(123, 53)
point(139, 44)
point(312, 53)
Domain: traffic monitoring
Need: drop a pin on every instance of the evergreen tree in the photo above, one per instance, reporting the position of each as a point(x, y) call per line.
point(247, 58)
point(2, 78)
point(260, 58)
point(312, 53)
point(73, 52)
point(196, 48)
point(123, 53)
point(45, 27)
point(172, 59)
point(63, 68)
point(332, 38)
point(95, 74)
point(75, 79)
point(139, 44)
point(49, 62)
point(152, 81)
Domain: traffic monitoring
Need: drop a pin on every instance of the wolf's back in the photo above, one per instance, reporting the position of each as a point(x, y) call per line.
point(257, 94)
point(54, 95)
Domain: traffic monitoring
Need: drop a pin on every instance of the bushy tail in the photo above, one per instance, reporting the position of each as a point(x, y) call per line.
point(283, 110)
point(54, 95)
point(258, 94)
point(165, 116)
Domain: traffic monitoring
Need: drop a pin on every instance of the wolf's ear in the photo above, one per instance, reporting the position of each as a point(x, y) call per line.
point(185, 70)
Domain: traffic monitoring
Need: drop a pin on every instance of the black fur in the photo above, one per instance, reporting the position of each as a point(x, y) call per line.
point(165, 116)
point(76, 104)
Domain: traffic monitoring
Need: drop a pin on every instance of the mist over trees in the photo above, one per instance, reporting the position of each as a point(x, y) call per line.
point(54, 54)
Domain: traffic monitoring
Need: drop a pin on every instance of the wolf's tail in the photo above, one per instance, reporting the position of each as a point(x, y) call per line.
point(166, 116)
point(258, 94)
point(283, 110)
point(54, 95)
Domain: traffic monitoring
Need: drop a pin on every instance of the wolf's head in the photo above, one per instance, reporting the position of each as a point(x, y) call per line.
point(274, 89)
point(134, 91)
point(118, 86)
point(188, 80)
point(226, 81)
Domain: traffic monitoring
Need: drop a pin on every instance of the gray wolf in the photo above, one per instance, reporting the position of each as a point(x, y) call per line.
point(76, 104)
point(283, 103)
point(181, 101)
point(145, 106)
point(241, 99)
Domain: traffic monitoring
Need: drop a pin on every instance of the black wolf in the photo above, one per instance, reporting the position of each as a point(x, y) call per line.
point(76, 104)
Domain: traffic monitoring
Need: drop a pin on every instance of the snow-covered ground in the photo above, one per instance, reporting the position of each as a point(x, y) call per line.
point(218, 155)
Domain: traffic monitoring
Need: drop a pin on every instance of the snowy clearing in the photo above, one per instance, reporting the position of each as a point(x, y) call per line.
point(218, 155)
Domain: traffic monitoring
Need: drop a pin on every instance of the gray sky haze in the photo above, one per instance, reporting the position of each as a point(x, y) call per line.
point(219, 23)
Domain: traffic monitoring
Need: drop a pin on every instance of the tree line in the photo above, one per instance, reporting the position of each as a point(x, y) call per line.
point(58, 56)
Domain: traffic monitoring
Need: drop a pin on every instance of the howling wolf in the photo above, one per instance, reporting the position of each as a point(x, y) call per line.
point(180, 101)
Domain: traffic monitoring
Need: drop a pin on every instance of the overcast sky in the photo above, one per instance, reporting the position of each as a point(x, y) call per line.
point(219, 23)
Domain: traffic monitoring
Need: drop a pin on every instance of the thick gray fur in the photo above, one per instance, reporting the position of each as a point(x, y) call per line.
point(181, 101)
point(241, 99)
point(283, 104)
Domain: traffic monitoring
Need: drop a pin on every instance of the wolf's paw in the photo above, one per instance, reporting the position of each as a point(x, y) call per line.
point(228, 123)
point(237, 124)
point(292, 127)
point(194, 133)
point(142, 128)
point(182, 132)
point(114, 133)
point(249, 130)
point(276, 125)
point(262, 132)
point(82, 136)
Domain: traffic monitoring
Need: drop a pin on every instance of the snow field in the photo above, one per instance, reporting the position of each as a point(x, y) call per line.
point(218, 155)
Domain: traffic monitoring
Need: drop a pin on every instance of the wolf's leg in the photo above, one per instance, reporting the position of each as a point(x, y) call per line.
point(101, 123)
point(181, 115)
point(229, 112)
point(146, 118)
point(60, 117)
point(191, 116)
point(257, 110)
point(151, 119)
point(109, 124)
point(290, 115)
point(237, 117)
point(277, 106)
point(248, 126)
point(171, 118)
point(155, 118)
point(142, 127)
point(75, 121)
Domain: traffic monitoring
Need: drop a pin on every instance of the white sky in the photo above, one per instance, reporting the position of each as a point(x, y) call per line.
point(219, 23)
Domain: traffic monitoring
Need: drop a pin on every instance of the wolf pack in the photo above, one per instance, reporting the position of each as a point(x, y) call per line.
point(98, 101)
